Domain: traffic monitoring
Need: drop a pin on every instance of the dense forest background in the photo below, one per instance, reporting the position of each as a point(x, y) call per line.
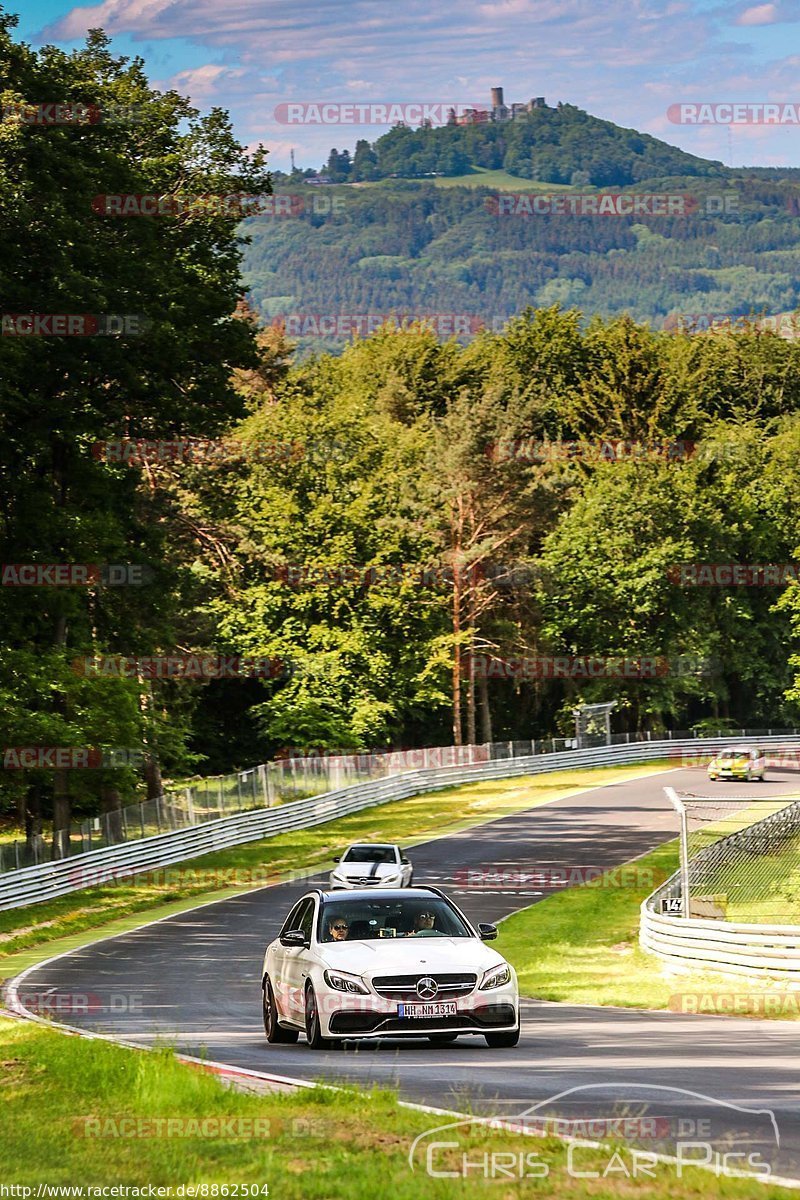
point(402, 524)
point(415, 248)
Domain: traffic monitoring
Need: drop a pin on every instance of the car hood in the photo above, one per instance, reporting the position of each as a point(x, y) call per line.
point(395, 956)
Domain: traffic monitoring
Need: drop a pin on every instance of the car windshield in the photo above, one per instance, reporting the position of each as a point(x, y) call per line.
point(729, 754)
point(383, 917)
point(370, 854)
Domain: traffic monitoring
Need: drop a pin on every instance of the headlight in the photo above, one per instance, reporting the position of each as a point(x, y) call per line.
point(341, 982)
point(495, 977)
point(338, 875)
point(389, 879)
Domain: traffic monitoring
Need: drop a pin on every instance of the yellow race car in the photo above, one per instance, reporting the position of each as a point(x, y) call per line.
point(740, 762)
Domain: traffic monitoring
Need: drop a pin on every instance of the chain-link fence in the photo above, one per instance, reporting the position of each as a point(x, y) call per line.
point(740, 859)
point(207, 800)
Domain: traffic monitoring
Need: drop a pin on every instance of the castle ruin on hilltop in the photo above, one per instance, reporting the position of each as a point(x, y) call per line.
point(498, 111)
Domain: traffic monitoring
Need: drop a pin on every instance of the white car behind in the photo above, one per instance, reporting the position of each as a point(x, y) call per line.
point(372, 864)
point(386, 964)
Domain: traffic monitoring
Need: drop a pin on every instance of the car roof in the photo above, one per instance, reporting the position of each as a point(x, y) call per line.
point(376, 845)
point(343, 897)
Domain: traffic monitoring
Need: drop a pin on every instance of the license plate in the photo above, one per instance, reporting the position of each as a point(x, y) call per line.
point(440, 1008)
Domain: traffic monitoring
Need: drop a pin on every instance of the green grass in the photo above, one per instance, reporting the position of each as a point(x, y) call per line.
point(582, 947)
point(72, 920)
point(501, 180)
point(764, 890)
point(477, 177)
point(66, 1101)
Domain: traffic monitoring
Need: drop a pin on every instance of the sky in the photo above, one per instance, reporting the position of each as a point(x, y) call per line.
point(627, 61)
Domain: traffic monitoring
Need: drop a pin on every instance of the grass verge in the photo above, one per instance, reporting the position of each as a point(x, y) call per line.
point(582, 947)
point(80, 1113)
point(72, 921)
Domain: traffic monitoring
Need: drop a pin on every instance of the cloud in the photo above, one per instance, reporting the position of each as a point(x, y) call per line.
point(759, 14)
point(205, 83)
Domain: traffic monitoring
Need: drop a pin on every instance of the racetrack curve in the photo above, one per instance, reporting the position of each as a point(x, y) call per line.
point(193, 980)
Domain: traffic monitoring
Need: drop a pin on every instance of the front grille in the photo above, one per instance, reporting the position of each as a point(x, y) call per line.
point(404, 987)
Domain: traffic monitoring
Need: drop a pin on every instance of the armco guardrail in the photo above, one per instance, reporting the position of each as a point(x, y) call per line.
point(32, 885)
point(724, 947)
point(721, 946)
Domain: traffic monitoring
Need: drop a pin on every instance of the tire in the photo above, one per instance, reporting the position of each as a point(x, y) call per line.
point(410, 880)
point(502, 1041)
point(276, 1034)
point(442, 1039)
point(313, 1030)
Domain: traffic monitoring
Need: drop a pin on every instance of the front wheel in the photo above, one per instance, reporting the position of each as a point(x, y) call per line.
point(501, 1041)
point(313, 1028)
point(276, 1034)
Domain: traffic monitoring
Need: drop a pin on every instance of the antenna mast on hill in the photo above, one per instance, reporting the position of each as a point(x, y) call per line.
point(291, 153)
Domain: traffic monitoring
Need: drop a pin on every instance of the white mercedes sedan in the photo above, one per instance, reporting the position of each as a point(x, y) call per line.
point(372, 864)
point(386, 964)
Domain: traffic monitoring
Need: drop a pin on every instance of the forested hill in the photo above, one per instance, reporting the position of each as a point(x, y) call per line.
point(470, 224)
point(344, 255)
point(554, 145)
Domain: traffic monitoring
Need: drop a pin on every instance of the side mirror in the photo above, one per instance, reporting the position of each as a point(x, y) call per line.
point(488, 932)
point(337, 858)
point(405, 861)
point(294, 937)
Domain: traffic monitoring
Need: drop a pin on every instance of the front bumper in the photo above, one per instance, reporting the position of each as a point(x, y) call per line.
point(373, 1016)
point(489, 1019)
point(349, 885)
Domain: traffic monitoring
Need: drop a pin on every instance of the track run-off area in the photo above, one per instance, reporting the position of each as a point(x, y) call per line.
point(192, 981)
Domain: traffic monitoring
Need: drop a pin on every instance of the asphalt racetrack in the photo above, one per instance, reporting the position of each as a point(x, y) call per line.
point(193, 981)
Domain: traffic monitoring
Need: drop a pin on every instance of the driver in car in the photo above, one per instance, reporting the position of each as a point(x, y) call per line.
point(338, 929)
point(423, 925)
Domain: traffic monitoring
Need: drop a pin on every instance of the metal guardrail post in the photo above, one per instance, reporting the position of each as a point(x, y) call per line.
point(680, 808)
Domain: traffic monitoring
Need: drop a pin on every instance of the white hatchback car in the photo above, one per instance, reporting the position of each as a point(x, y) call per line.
point(386, 964)
point(372, 864)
